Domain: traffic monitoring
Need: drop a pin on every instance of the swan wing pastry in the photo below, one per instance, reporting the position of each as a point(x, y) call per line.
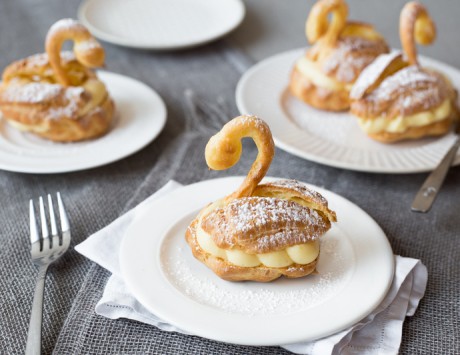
point(56, 95)
point(395, 98)
point(324, 76)
point(261, 231)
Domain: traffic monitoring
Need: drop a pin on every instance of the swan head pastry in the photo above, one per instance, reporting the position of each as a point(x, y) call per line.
point(87, 50)
point(224, 150)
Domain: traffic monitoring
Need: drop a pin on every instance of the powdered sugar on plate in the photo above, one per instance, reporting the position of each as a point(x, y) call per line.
point(280, 297)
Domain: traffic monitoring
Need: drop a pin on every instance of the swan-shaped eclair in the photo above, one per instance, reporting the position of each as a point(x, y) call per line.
point(324, 76)
point(395, 98)
point(259, 232)
point(56, 95)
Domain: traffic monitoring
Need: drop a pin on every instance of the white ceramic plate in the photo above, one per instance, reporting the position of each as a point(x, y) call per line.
point(355, 271)
point(140, 115)
point(161, 24)
point(333, 139)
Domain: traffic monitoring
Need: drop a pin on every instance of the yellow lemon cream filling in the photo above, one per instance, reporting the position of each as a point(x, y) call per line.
point(297, 254)
point(311, 71)
point(400, 124)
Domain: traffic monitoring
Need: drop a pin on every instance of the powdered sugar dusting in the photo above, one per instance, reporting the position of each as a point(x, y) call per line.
point(263, 224)
point(63, 25)
point(43, 60)
point(280, 297)
point(32, 93)
point(36, 66)
point(55, 100)
point(371, 73)
point(351, 56)
point(406, 77)
point(37, 60)
point(300, 188)
point(410, 86)
point(89, 45)
point(249, 120)
point(70, 106)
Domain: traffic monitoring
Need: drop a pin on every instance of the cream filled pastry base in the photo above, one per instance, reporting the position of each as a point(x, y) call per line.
point(301, 254)
point(400, 124)
point(313, 72)
point(94, 87)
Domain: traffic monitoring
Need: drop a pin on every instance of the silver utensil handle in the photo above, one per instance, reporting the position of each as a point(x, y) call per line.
point(429, 190)
point(34, 336)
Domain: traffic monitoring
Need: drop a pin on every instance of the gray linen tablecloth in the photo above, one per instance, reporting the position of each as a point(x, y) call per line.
point(198, 88)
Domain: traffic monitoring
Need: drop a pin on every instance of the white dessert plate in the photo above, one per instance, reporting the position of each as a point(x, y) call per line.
point(329, 138)
point(355, 270)
point(161, 24)
point(140, 115)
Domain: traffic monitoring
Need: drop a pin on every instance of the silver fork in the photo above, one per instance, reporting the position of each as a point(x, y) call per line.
point(44, 250)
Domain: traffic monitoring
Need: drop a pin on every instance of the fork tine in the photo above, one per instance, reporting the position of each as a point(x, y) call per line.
point(62, 215)
point(45, 232)
point(34, 236)
point(52, 217)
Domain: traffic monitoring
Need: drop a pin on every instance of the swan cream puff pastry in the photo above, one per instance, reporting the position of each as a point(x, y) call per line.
point(395, 98)
point(323, 77)
point(261, 231)
point(56, 95)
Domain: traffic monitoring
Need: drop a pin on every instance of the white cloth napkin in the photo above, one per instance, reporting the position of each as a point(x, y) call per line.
point(378, 333)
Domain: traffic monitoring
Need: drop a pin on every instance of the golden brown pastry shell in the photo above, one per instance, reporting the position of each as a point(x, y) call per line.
point(293, 189)
point(318, 97)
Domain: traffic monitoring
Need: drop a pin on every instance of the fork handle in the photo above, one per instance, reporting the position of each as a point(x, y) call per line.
point(34, 336)
point(430, 188)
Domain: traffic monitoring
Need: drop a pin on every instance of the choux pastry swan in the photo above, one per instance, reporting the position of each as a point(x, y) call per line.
point(259, 232)
point(395, 98)
point(324, 76)
point(56, 95)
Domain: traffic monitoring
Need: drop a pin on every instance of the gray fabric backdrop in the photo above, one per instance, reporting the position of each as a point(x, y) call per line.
point(198, 88)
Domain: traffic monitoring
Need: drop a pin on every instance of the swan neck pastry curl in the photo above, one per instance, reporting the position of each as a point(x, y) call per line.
point(415, 25)
point(224, 150)
point(87, 50)
point(318, 27)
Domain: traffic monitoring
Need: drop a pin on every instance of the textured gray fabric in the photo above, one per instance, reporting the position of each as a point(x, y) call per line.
point(198, 88)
